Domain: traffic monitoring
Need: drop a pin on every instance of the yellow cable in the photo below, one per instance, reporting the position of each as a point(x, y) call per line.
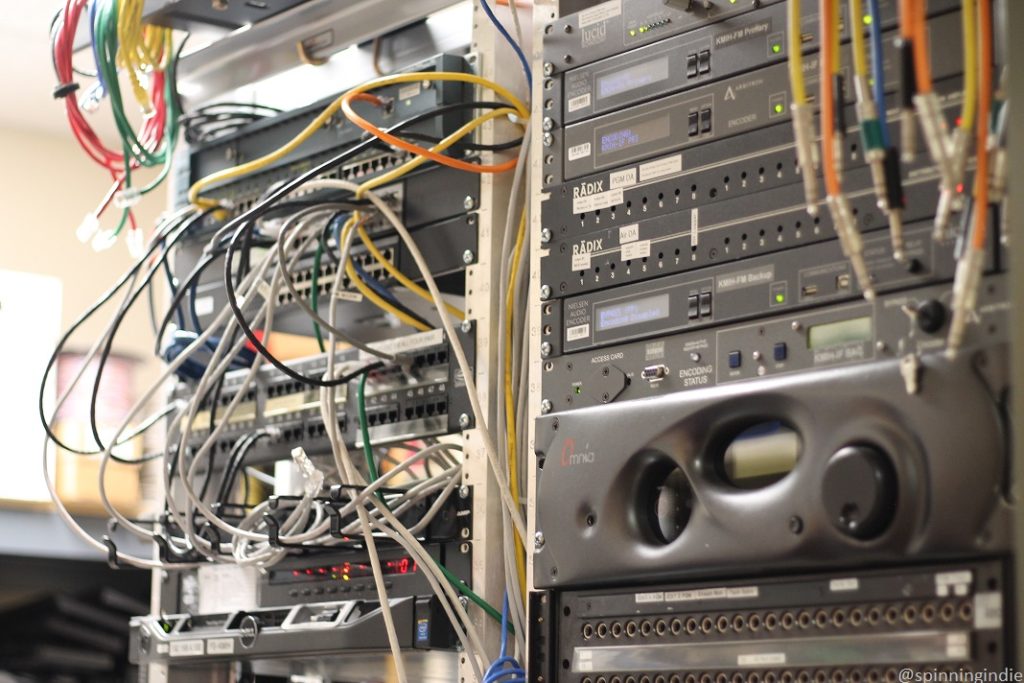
point(447, 142)
point(860, 51)
point(969, 19)
point(141, 49)
point(796, 55)
point(325, 115)
point(510, 411)
point(400, 276)
point(368, 293)
point(397, 173)
point(837, 22)
point(420, 77)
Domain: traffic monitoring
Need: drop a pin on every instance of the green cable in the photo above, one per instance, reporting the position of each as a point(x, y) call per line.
point(314, 294)
point(468, 592)
point(371, 465)
point(364, 428)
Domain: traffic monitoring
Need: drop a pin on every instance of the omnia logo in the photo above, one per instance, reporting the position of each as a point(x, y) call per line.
point(570, 456)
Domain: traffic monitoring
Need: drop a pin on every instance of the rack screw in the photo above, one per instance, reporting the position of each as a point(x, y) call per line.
point(468, 257)
point(468, 203)
point(545, 235)
point(464, 421)
point(545, 407)
point(545, 292)
point(538, 540)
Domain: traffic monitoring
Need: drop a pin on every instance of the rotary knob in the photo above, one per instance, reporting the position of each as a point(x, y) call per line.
point(860, 490)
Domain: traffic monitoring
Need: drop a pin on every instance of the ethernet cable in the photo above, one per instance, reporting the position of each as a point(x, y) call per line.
point(418, 77)
point(831, 142)
point(513, 43)
point(344, 104)
point(457, 348)
point(808, 160)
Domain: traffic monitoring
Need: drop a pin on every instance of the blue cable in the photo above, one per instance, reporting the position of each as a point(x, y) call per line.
point(511, 41)
point(504, 666)
point(878, 69)
point(95, 49)
point(373, 283)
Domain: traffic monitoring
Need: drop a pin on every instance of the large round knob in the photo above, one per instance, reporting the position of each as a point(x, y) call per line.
point(859, 490)
point(931, 316)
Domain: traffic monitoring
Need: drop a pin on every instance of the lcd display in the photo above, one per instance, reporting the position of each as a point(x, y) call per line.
point(632, 77)
point(839, 333)
point(636, 133)
point(626, 313)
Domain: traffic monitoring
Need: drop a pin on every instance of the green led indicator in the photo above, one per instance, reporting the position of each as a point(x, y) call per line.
point(776, 48)
point(778, 108)
point(780, 298)
point(579, 390)
point(867, 20)
point(632, 32)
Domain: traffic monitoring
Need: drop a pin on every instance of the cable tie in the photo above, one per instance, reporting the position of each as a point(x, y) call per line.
point(64, 89)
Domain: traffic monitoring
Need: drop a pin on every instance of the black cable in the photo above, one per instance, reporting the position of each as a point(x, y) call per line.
point(162, 232)
point(234, 465)
point(119, 318)
point(172, 286)
point(188, 287)
point(472, 146)
point(384, 289)
point(246, 220)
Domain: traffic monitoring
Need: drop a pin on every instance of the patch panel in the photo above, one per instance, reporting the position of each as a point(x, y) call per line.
point(422, 395)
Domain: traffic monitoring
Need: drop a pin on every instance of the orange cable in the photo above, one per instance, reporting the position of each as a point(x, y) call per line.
point(922, 58)
point(980, 234)
point(416, 149)
point(906, 19)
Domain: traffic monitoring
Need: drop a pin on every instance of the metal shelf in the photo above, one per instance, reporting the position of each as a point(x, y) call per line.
point(323, 27)
point(42, 534)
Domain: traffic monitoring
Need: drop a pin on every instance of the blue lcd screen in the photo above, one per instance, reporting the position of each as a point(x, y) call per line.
point(626, 313)
point(637, 132)
point(632, 77)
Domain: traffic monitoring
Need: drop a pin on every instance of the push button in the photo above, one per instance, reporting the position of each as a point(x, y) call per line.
point(692, 124)
point(705, 120)
point(691, 65)
point(704, 61)
point(705, 304)
point(780, 351)
point(693, 307)
point(735, 359)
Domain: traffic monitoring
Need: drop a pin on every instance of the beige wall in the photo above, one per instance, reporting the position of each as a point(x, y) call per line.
point(47, 185)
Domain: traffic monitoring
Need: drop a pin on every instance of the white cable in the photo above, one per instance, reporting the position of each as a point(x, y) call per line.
point(346, 469)
point(453, 338)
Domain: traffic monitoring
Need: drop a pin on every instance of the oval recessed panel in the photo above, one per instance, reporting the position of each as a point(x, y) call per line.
point(760, 455)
